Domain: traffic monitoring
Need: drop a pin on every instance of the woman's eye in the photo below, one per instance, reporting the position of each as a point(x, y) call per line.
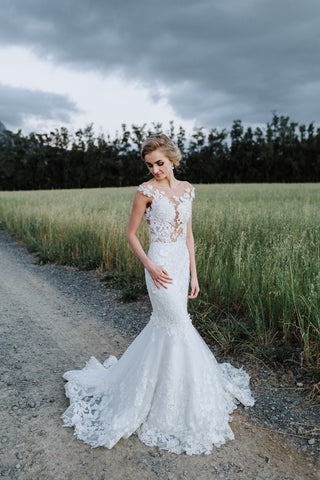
point(160, 164)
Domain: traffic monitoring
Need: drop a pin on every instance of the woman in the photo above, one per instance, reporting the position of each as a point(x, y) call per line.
point(167, 387)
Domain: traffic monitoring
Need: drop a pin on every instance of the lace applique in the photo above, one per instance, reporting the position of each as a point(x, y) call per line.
point(167, 218)
point(169, 390)
point(167, 386)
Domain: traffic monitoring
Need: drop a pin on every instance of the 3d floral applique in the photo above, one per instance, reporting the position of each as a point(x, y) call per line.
point(167, 218)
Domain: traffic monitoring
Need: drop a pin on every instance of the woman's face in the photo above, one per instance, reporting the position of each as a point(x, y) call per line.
point(158, 164)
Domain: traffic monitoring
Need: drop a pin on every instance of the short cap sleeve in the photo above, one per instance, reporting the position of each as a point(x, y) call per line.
point(145, 190)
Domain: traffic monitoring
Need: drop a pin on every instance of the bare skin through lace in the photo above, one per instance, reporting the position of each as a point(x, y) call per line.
point(167, 224)
point(167, 386)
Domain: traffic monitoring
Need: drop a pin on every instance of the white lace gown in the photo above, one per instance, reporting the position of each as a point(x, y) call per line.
point(167, 387)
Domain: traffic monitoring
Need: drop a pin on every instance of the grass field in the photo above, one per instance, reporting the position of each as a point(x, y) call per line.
point(257, 248)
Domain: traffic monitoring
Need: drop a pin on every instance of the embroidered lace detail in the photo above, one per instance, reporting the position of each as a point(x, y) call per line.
point(167, 386)
point(167, 218)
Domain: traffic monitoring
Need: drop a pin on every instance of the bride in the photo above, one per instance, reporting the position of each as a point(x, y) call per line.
point(167, 387)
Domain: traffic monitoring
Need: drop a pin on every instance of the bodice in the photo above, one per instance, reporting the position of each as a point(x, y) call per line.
point(167, 218)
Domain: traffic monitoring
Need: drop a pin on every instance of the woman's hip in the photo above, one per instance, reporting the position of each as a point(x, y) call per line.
point(174, 255)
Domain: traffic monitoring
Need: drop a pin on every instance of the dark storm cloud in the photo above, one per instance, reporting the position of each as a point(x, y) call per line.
point(16, 104)
point(216, 59)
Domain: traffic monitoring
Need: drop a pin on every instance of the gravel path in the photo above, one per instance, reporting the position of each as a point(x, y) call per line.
point(52, 319)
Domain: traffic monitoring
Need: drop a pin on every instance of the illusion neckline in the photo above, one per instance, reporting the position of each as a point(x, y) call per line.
point(171, 198)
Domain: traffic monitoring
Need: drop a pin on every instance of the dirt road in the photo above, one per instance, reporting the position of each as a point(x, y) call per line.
point(52, 320)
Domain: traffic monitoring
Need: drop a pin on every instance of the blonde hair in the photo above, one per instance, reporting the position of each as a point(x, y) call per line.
point(161, 141)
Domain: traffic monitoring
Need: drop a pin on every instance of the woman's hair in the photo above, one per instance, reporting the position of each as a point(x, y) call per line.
point(161, 141)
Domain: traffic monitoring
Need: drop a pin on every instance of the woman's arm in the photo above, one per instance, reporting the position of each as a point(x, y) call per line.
point(138, 209)
point(157, 273)
point(193, 269)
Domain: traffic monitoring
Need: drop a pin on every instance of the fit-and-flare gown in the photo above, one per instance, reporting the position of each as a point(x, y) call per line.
point(167, 386)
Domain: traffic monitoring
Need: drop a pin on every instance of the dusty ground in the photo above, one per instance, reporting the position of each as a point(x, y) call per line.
point(52, 319)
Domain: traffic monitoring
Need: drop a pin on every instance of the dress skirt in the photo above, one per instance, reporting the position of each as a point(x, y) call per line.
point(167, 387)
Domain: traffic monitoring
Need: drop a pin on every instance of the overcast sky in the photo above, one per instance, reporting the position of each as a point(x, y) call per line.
point(197, 62)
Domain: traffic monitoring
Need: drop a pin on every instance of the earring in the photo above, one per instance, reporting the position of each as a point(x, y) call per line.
point(172, 167)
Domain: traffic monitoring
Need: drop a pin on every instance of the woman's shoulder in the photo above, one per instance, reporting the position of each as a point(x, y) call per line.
point(188, 187)
point(146, 188)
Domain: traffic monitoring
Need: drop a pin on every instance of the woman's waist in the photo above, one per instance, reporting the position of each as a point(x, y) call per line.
point(177, 244)
point(167, 236)
point(177, 250)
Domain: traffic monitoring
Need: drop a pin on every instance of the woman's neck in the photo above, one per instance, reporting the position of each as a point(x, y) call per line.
point(169, 182)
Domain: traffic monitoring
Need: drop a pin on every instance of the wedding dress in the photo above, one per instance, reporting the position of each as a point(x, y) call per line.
point(167, 387)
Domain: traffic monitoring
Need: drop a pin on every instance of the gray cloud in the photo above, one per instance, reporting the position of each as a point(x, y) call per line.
point(16, 104)
point(218, 60)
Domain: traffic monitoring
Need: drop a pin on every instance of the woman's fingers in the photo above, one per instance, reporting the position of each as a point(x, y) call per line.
point(194, 293)
point(162, 279)
point(166, 279)
point(165, 276)
point(159, 283)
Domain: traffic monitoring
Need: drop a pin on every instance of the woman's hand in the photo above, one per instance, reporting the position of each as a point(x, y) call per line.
point(159, 276)
point(194, 288)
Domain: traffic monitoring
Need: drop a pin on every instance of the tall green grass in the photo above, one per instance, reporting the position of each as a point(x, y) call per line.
point(257, 248)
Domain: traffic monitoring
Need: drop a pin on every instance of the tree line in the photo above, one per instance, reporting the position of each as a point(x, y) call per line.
point(283, 151)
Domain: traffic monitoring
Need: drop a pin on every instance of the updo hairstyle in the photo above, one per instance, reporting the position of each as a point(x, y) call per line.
point(161, 141)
